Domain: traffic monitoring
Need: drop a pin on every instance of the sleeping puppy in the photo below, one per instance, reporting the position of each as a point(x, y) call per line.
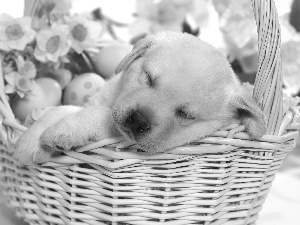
point(172, 89)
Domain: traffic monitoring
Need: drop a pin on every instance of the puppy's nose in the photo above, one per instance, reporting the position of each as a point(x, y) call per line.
point(137, 122)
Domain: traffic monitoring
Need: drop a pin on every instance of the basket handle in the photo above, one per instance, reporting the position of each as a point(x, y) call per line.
point(268, 82)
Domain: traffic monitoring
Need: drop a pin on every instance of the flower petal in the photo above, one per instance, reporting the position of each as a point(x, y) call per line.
point(42, 38)
point(53, 56)
point(64, 47)
point(39, 54)
point(20, 62)
point(29, 70)
point(17, 44)
point(3, 35)
point(10, 78)
point(62, 30)
point(4, 46)
point(9, 89)
point(29, 37)
point(24, 21)
point(78, 46)
point(21, 94)
point(5, 19)
point(95, 29)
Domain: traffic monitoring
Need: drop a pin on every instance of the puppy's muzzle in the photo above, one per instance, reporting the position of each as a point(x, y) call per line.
point(138, 123)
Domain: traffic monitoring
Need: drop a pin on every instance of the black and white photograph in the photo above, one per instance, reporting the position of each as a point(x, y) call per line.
point(150, 112)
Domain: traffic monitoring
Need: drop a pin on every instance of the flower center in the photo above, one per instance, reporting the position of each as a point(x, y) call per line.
point(52, 44)
point(24, 84)
point(14, 32)
point(79, 32)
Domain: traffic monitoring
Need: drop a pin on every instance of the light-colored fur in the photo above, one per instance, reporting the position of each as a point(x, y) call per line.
point(192, 93)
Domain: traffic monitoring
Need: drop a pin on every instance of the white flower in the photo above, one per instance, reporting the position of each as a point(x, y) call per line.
point(84, 33)
point(18, 83)
point(289, 102)
point(15, 33)
point(26, 68)
point(21, 81)
point(237, 22)
point(52, 43)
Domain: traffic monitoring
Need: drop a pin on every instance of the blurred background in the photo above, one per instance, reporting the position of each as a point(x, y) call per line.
point(226, 24)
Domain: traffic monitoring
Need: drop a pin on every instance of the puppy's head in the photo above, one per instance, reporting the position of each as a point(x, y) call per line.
point(175, 89)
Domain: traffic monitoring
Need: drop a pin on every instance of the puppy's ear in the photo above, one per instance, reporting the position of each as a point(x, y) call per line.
point(250, 114)
point(138, 50)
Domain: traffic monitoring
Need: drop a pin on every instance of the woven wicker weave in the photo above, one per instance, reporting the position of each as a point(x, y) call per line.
point(222, 179)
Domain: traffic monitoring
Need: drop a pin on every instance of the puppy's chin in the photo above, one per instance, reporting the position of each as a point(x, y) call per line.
point(145, 143)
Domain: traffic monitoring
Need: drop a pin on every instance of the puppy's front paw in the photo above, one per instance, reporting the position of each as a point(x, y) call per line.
point(62, 137)
point(88, 125)
point(29, 152)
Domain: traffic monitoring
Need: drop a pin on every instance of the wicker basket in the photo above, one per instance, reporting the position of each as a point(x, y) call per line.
point(221, 179)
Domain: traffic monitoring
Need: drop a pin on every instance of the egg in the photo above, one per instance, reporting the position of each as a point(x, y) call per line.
point(62, 76)
point(108, 58)
point(81, 88)
point(46, 93)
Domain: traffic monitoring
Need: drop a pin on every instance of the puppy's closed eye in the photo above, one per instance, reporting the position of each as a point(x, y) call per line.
point(150, 80)
point(183, 113)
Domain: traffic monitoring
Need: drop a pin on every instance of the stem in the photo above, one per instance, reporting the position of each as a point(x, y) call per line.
point(88, 61)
